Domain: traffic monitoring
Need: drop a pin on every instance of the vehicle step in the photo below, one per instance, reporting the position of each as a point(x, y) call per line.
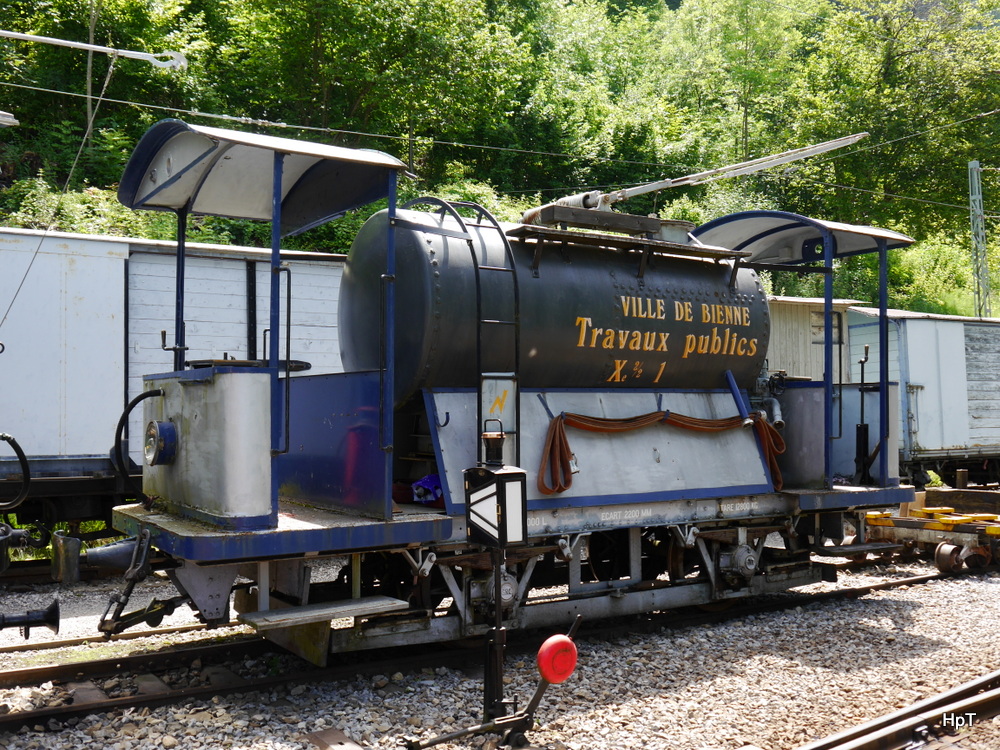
point(850, 550)
point(269, 619)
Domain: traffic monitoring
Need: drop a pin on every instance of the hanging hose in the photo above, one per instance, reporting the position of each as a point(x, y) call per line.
point(557, 456)
point(9, 505)
point(119, 431)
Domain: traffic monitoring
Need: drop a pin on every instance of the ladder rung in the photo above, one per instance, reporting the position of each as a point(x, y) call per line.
point(498, 375)
point(499, 322)
point(496, 268)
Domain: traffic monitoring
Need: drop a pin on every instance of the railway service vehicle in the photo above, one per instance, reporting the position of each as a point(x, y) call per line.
point(568, 415)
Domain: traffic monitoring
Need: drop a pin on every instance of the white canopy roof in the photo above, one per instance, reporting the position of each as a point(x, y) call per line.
point(781, 237)
point(216, 172)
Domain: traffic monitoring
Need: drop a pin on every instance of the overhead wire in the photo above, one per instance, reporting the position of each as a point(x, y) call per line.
point(956, 123)
point(881, 193)
point(592, 158)
point(340, 131)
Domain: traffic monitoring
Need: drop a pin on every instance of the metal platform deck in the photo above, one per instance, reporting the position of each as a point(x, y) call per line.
point(300, 528)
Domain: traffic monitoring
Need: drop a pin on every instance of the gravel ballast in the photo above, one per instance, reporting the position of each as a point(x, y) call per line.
point(773, 681)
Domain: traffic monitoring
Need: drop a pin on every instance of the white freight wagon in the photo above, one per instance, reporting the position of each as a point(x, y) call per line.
point(948, 368)
point(81, 323)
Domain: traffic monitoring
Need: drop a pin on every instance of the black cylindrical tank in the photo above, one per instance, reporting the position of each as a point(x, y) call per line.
point(587, 319)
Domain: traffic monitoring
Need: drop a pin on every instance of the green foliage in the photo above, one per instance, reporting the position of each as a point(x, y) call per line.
point(910, 74)
point(437, 67)
point(934, 276)
point(34, 204)
point(462, 187)
point(718, 199)
point(512, 104)
point(731, 61)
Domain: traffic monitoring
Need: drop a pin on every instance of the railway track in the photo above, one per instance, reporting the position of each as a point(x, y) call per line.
point(208, 669)
point(162, 678)
point(930, 723)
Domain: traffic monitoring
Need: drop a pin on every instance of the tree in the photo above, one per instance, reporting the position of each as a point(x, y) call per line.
point(47, 86)
point(911, 73)
point(436, 68)
point(731, 61)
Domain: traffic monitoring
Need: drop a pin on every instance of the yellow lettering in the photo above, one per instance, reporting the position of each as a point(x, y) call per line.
point(649, 341)
point(662, 346)
point(716, 341)
point(583, 323)
point(689, 343)
point(593, 336)
point(659, 372)
point(498, 403)
point(635, 341)
point(618, 376)
point(625, 305)
point(752, 349)
point(609, 339)
point(660, 312)
point(622, 339)
point(706, 313)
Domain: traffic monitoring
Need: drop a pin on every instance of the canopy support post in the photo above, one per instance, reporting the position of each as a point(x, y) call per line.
point(179, 344)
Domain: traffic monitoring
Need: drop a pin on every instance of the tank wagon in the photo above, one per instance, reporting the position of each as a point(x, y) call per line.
point(535, 421)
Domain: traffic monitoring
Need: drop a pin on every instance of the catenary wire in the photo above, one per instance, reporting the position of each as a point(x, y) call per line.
point(273, 124)
point(309, 128)
point(881, 193)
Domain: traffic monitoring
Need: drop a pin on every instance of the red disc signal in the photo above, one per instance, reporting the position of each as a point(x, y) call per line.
point(557, 659)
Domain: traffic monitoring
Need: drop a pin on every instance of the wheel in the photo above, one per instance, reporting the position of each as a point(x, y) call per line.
point(675, 561)
point(946, 558)
point(976, 562)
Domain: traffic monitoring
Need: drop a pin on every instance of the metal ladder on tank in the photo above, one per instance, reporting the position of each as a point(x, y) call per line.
point(498, 392)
